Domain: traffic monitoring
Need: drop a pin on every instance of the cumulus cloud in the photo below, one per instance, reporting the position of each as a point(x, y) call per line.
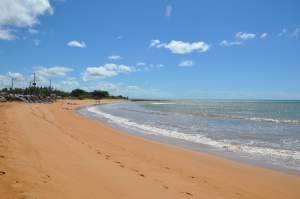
point(133, 91)
point(154, 43)
point(263, 35)
point(115, 57)
point(244, 35)
point(5, 34)
point(76, 44)
point(15, 76)
point(55, 71)
point(180, 47)
point(230, 43)
point(107, 70)
point(186, 63)
point(4, 81)
point(21, 13)
point(67, 84)
point(169, 10)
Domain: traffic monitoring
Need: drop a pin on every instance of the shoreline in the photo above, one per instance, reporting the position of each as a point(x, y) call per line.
point(50, 151)
point(188, 145)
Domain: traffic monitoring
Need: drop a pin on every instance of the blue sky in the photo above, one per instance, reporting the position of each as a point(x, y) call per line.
point(155, 49)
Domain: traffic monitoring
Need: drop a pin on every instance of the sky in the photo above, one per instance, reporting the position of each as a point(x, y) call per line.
point(168, 49)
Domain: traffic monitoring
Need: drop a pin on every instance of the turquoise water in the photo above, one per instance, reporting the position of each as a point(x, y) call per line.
point(258, 130)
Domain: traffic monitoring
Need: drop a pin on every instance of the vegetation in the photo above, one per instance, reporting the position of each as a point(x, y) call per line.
point(76, 93)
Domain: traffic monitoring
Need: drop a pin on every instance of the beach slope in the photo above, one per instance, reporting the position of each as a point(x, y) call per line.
point(50, 151)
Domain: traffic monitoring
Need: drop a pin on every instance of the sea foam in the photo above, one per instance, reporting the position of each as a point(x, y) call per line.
point(198, 138)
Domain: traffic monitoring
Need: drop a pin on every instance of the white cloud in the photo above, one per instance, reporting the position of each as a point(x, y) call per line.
point(52, 71)
point(263, 35)
point(4, 81)
point(107, 70)
point(154, 43)
point(5, 34)
point(21, 13)
point(169, 10)
point(180, 47)
point(76, 44)
point(67, 84)
point(282, 32)
point(33, 31)
point(115, 57)
point(296, 32)
point(244, 35)
point(231, 43)
point(15, 76)
point(133, 91)
point(186, 63)
point(141, 64)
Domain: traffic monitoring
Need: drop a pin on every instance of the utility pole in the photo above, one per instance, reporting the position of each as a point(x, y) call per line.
point(12, 83)
point(34, 84)
point(50, 89)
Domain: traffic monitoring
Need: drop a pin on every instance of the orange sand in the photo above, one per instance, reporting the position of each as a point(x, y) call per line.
point(49, 151)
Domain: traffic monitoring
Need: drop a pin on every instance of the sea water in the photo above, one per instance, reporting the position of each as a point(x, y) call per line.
point(266, 132)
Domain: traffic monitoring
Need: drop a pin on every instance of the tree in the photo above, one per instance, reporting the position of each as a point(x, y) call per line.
point(79, 93)
point(98, 94)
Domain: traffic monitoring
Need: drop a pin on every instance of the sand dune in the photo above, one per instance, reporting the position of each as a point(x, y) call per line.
point(49, 151)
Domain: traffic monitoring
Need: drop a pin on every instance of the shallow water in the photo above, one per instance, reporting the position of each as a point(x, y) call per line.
point(262, 131)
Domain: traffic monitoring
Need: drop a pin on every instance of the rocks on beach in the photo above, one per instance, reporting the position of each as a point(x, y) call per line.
point(4, 97)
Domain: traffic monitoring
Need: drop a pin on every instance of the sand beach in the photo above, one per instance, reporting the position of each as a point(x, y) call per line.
point(50, 151)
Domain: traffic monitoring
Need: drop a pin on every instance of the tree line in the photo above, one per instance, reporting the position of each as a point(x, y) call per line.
point(76, 93)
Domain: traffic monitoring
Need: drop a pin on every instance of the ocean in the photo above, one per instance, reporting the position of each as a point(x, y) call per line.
point(263, 132)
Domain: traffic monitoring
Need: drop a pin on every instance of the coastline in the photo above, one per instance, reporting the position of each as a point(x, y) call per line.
point(140, 131)
point(50, 151)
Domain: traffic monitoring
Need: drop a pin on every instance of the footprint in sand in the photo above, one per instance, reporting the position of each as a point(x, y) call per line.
point(142, 175)
point(164, 186)
point(2, 172)
point(188, 193)
point(2, 156)
point(135, 170)
point(99, 152)
point(120, 164)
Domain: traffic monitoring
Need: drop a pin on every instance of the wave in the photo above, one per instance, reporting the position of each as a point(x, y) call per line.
point(162, 103)
point(259, 119)
point(197, 138)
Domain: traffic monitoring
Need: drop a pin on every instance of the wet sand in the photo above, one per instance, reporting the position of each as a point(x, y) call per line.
point(50, 151)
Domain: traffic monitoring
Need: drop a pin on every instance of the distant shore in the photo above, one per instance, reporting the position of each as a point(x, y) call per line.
point(49, 151)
